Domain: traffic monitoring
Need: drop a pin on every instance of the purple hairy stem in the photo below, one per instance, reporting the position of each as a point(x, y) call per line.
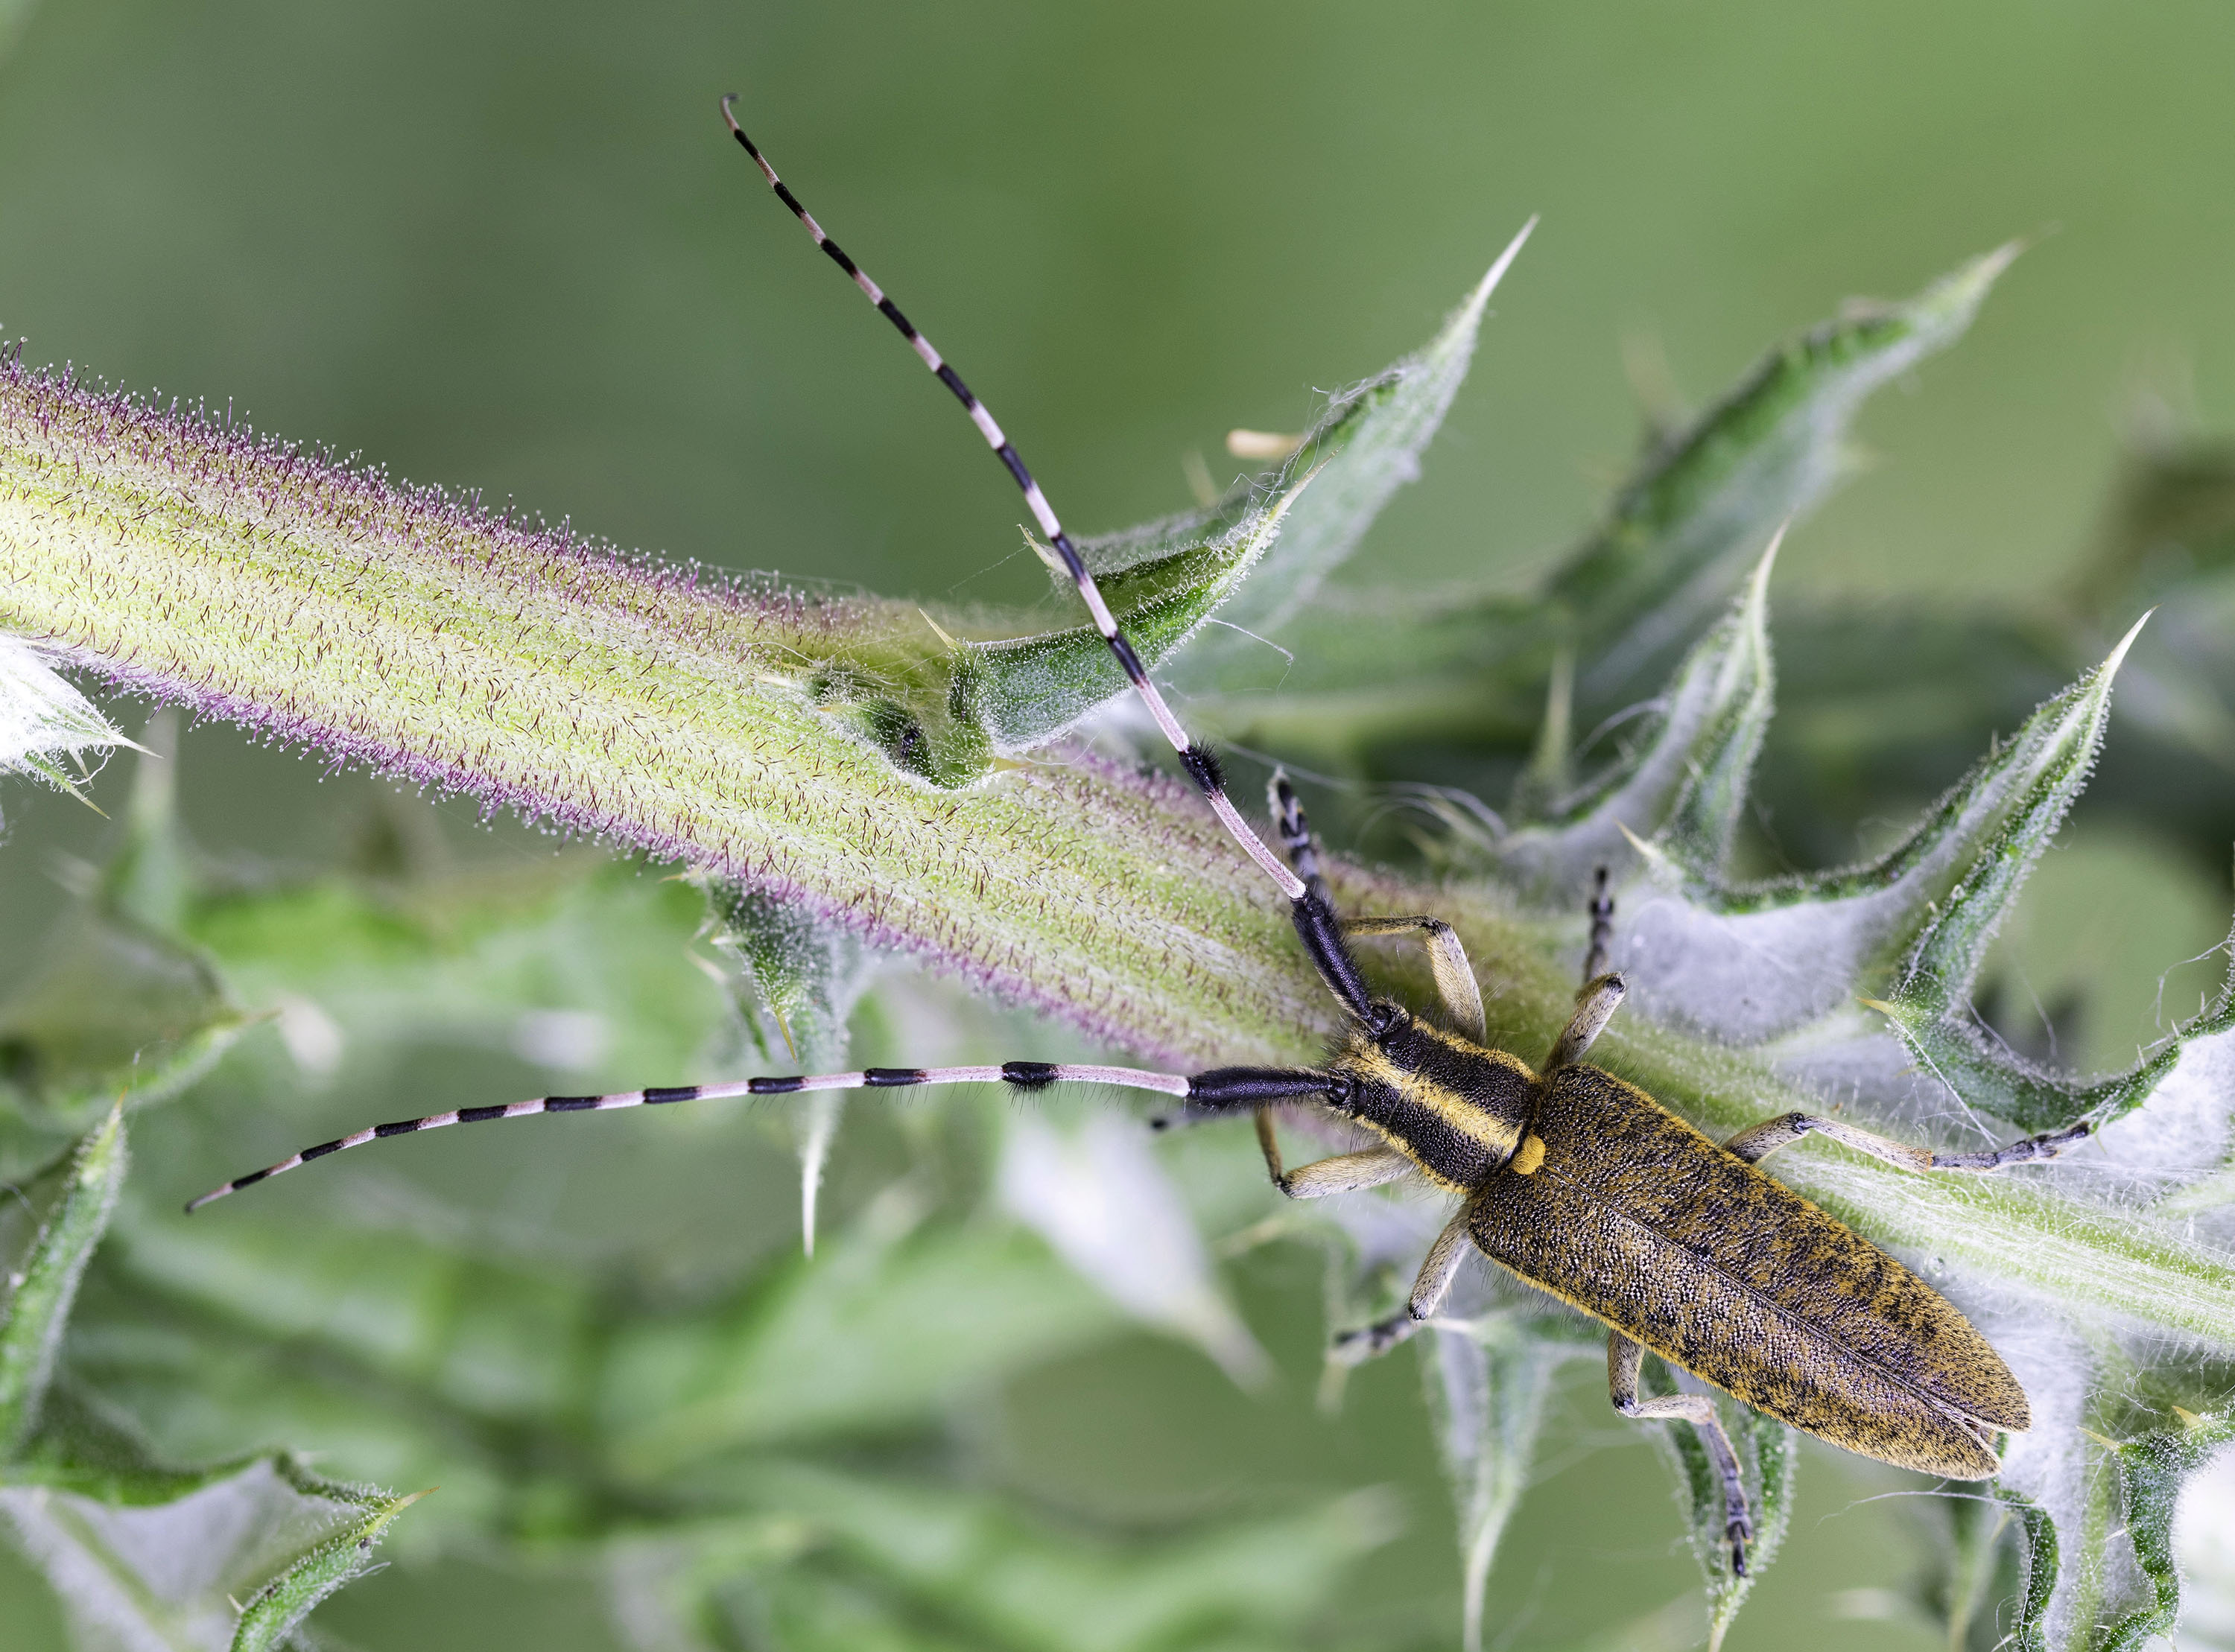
point(626, 698)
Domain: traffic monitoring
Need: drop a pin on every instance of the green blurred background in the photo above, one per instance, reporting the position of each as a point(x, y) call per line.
point(507, 247)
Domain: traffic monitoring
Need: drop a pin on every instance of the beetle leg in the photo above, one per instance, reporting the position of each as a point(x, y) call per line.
point(1594, 1007)
point(1758, 1143)
point(1269, 1145)
point(1429, 1290)
point(1624, 1357)
point(1455, 982)
point(1346, 1174)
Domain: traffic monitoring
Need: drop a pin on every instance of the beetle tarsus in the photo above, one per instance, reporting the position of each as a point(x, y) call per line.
point(1756, 1143)
point(1738, 1531)
point(1595, 1006)
point(1372, 1342)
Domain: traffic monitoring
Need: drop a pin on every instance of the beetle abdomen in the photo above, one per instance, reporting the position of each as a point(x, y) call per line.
point(1640, 1221)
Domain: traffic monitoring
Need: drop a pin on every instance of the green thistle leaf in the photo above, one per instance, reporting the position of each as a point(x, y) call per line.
point(269, 1615)
point(1029, 690)
point(1682, 783)
point(1001, 1580)
point(1367, 445)
point(73, 1201)
point(233, 1565)
point(1768, 1454)
point(795, 1359)
point(1466, 672)
point(2036, 1540)
point(1488, 1382)
point(122, 1005)
point(2151, 1471)
point(1769, 451)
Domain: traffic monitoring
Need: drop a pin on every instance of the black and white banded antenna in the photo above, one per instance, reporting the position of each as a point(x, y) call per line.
point(1023, 1075)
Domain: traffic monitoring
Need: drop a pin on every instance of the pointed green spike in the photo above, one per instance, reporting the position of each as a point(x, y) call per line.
point(1993, 828)
point(1368, 440)
point(807, 976)
point(1366, 446)
point(1683, 785)
point(1957, 901)
point(1551, 775)
point(268, 1618)
point(1165, 580)
point(1907, 929)
point(1701, 825)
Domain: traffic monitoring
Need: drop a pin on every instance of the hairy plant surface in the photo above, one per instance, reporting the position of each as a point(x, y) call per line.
point(850, 778)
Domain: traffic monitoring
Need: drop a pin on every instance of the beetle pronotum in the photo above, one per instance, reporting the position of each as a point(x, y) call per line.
point(1575, 1180)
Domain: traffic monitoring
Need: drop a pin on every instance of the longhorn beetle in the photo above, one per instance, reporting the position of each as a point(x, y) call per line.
point(1581, 1184)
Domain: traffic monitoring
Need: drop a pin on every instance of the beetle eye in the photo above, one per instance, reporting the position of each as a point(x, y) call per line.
point(1340, 1092)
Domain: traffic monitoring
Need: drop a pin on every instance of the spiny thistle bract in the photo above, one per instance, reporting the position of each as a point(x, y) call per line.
point(835, 774)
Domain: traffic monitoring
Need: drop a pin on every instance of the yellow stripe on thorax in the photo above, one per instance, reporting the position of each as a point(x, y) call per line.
point(1498, 1137)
